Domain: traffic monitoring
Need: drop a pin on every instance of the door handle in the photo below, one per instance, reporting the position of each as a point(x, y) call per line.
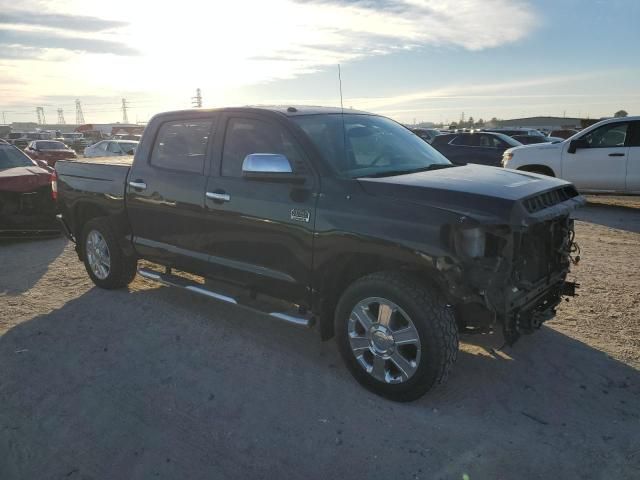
point(616, 154)
point(138, 184)
point(218, 196)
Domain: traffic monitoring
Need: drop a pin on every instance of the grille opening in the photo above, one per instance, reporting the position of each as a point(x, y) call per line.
point(548, 199)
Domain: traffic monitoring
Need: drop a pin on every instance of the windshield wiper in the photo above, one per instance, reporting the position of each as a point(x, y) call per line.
point(392, 173)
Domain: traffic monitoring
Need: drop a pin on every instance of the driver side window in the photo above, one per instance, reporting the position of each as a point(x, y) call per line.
point(613, 135)
point(114, 148)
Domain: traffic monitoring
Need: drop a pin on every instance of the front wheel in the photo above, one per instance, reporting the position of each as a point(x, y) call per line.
point(397, 336)
point(107, 265)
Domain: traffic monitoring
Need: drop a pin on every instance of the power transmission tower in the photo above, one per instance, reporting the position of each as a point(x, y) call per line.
point(61, 117)
point(40, 113)
point(197, 100)
point(125, 119)
point(79, 114)
point(3, 118)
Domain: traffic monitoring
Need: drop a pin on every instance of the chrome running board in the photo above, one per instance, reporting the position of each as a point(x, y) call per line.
point(303, 320)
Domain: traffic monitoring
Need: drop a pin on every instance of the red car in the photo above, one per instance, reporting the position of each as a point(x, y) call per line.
point(26, 200)
point(49, 150)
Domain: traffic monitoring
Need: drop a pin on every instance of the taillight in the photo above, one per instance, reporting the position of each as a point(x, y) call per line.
point(54, 186)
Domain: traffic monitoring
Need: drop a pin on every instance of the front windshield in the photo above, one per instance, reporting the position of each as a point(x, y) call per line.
point(368, 145)
point(11, 157)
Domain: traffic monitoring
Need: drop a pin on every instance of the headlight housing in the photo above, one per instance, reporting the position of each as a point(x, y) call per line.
point(471, 242)
point(506, 158)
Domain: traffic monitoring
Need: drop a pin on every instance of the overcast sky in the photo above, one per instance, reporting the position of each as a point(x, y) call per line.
point(408, 59)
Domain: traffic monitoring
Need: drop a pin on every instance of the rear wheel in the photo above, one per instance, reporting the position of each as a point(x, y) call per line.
point(106, 263)
point(397, 337)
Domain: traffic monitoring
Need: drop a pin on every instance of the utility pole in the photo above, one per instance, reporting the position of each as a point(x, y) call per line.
point(197, 100)
point(40, 113)
point(61, 117)
point(3, 119)
point(79, 114)
point(125, 118)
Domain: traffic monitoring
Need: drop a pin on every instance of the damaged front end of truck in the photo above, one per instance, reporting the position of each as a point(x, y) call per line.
point(514, 274)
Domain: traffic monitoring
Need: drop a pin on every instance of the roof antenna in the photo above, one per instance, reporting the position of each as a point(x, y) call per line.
point(340, 83)
point(344, 129)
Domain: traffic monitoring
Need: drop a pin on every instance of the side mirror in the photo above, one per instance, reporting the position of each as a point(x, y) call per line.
point(576, 144)
point(270, 167)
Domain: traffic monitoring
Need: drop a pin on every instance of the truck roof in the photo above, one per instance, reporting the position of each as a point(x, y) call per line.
point(287, 110)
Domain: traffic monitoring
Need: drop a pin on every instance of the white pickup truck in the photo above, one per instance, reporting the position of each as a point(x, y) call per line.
point(603, 158)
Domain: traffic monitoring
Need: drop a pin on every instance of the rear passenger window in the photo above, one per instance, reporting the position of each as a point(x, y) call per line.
point(182, 145)
point(246, 136)
point(467, 140)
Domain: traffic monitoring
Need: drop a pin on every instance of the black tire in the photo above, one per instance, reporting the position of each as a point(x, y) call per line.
point(434, 321)
point(122, 268)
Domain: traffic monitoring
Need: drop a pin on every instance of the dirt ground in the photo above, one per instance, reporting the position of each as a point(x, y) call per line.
point(153, 382)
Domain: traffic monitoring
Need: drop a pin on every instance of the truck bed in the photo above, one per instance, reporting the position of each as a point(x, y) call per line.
point(99, 182)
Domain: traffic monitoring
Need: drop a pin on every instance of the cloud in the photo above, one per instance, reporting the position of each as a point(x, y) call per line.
point(490, 90)
point(51, 40)
point(59, 21)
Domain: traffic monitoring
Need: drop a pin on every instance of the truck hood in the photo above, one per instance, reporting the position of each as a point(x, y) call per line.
point(548, 148)
point(487, 194)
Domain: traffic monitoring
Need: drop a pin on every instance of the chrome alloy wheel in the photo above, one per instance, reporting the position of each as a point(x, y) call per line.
point(384, 340)
point(98, 255)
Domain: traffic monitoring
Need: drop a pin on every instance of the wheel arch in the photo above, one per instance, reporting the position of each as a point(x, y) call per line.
point(86, 211)
point(537, 168)
point(344, 269)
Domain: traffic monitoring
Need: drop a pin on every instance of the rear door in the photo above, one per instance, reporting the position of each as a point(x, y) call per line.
point(462, 148)
point(633, 161)
point(491, 149)
point(166, 190)
point(602, 165)
point(261, 233)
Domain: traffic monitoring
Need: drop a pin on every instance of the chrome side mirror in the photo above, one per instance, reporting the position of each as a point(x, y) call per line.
point(266, 163)
point(269, 167)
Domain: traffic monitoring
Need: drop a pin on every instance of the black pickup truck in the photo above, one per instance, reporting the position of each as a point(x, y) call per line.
point(346, 220)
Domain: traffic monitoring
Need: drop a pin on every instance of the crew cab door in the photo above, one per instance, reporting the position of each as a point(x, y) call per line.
point(633, 161)
point(600, 163)
point(259, 232)
point(166, 191)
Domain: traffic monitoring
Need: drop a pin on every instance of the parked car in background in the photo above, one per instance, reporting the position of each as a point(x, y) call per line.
point(564, 133)
point(111, 148)
point(603, 158)
point(75, 140)
point(127, 136)
point(21, 143)
point(26, 202)
point(485, 148)
point(532, 132)
point(49, 150)
point(532, 139)
point(427, 134)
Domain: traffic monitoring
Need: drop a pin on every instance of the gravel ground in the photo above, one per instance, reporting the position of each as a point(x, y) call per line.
point(153, 382)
